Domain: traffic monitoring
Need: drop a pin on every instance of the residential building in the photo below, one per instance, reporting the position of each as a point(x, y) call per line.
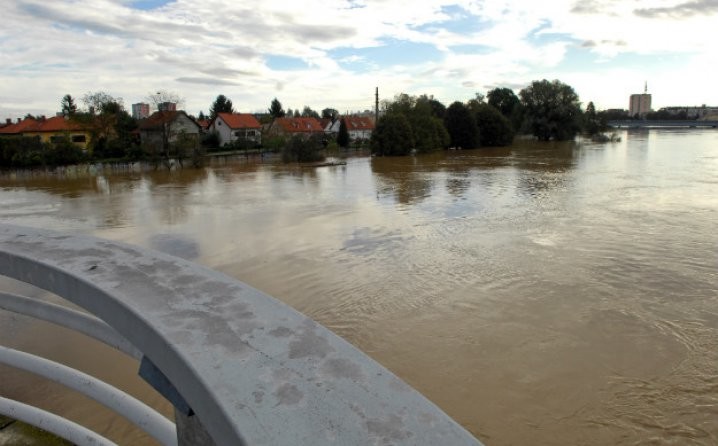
point(691, 112)
point(640, 104)
point(140, 110)
point(295, 126)
point(167, 106)
point(358, 127)
point(236, 126)
point(50, 130)
point(168, 127)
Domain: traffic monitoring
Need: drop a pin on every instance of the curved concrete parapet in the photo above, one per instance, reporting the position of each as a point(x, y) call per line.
point(252, 369)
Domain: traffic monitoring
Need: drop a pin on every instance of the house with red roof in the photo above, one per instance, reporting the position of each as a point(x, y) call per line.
point(236, 126)
point(295, 126)
point(164, 128)
point(358, 127)
point(50, 130)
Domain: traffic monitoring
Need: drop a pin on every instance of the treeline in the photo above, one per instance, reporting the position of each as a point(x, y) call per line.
point(548, 110)
point(30, 151)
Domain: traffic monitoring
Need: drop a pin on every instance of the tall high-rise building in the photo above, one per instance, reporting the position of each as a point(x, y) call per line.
point(167, 106)
point(640, 104)
point(140, 110)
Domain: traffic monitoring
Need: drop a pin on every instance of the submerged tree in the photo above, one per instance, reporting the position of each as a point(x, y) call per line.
point(392, 136)
point(343, 136)
point(461, 125)
point(302, 149)
point(552, 110)
point(504, 100)
point(494, 128)
point(593, 122)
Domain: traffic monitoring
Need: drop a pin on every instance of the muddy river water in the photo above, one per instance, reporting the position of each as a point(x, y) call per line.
point(543, 294)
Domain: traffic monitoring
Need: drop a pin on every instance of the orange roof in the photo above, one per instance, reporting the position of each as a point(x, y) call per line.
point(57, 124)
point(157, 119)
point(299, 125)
point(358, 123)
point(19, 127)
point(54, 124)
point(240, 120)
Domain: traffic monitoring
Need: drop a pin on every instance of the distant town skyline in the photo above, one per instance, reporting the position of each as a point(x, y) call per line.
point(334, 53)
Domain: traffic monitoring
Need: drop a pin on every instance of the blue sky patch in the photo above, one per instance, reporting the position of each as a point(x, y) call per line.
point(285, 63)
point(147, 5)
point(583, 59)
point(461, 22)
point(390, 53)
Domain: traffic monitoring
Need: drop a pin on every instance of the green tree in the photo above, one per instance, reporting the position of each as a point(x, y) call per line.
point(593, 123)
point(343, 136)
point(330, 113)
point(494, 128)
point(68, 106)
point(402, 104)
point(222, 104)
point(307, 112)
point(504, 100)
point(461, 125)
point(101, 117)
point(392, 136)
point(301, 149)
point(552, 110)
point(275, 109)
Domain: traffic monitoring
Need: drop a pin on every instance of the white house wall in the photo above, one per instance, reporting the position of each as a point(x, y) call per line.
point(227, 135)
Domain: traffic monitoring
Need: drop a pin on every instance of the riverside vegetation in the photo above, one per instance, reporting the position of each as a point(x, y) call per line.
point(548, 110)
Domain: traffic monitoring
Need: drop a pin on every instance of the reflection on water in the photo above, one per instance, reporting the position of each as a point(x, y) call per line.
point(560, 293)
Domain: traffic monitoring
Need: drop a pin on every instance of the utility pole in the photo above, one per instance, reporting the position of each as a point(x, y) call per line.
point(376, 107)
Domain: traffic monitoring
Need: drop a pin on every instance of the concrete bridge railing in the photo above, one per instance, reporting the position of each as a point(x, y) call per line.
point(240, 367)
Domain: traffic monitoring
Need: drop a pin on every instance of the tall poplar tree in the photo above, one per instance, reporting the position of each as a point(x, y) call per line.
point(220, 105)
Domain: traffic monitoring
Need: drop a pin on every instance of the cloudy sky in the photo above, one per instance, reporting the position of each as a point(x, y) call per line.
point(333, 53)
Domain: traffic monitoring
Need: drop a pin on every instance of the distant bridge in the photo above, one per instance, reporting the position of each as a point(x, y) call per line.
point(649, 124)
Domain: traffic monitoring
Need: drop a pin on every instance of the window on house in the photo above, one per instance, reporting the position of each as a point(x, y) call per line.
point(78, 138)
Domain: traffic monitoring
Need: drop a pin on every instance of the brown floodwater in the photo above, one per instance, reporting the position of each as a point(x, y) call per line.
point(541, 294)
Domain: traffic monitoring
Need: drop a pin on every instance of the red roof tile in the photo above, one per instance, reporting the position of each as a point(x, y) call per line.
point(299, 125)
point(57, 124)
point(240, 120)
point(19, 127)
point(155, 121)
point(358, 123)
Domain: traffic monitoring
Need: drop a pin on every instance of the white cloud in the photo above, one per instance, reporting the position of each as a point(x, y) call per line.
point(201, 49)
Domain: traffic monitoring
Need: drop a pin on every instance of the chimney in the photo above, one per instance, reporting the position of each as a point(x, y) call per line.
point(19, 120)
point(8, 121)
point(42, 118)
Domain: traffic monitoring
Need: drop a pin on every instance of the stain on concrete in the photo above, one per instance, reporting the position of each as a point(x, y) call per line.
point(342, 368)
point(388, 431)
point(288, 395)
point(258, 396)
point(309, 344)
point(281, 332)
